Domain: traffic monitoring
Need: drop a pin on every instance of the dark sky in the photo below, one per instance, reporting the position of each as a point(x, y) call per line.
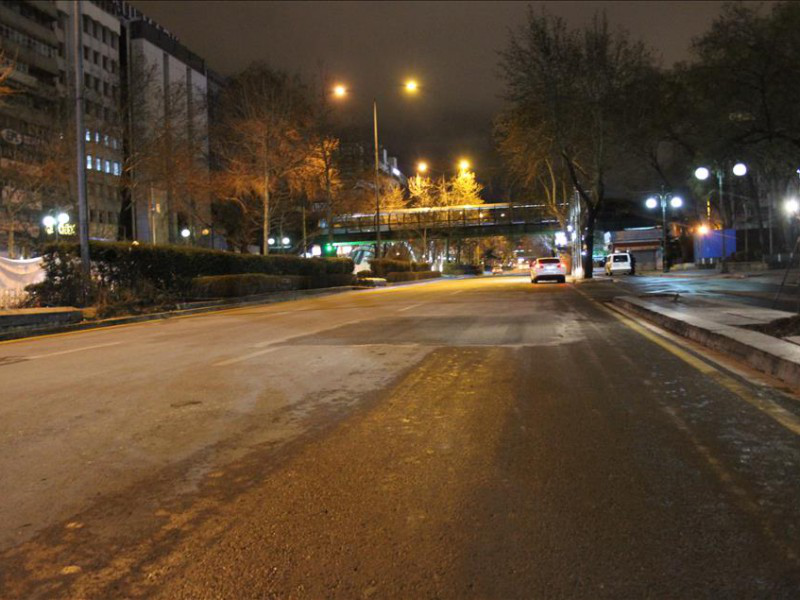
point(450, 47)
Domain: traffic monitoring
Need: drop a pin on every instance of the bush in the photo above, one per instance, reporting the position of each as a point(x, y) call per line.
point(411, 276)
point(231, 286)
point(153, 273)
point(382, 266)
point(461, 269)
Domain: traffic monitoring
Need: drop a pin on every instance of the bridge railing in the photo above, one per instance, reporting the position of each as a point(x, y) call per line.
point(444, 217)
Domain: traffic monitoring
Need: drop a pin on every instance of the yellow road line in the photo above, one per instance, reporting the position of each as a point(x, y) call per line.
point(770, 408)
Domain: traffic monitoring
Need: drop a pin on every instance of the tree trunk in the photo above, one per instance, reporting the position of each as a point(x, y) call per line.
point(265, 237)
point(11, 250)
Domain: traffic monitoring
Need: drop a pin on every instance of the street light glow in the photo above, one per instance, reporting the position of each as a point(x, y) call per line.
point(49, 221)
point(63, 218)
point(412, 86)
point(651, 203)
point(463, 165)
point(740, 169)
point(703, 229)
point(676, 202)
point(422, 166)
point(285, 241)
point(339, 90)
point(185, 233)
point(791, 206)
point(271, 241)
point(702, 173)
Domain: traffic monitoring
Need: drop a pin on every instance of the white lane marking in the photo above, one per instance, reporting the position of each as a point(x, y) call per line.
point(411, 306)
point(456, 292)
point(81, 349)
point(232, 361)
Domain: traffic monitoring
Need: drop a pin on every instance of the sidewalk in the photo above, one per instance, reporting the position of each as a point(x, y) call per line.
point(723, 326)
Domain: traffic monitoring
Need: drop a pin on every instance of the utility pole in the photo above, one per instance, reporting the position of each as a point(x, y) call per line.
point(377, 181)
point(80, 142)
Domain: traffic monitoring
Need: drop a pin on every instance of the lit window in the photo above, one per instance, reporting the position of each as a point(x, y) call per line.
point(105, 140)
point(97, 137)
point(98, 164)
point(117, 169)
point(107, 166)
point(88, 135)
point(89, 161)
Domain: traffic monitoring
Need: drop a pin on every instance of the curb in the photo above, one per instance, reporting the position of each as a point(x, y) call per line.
point(241, 303)
point(764, 353)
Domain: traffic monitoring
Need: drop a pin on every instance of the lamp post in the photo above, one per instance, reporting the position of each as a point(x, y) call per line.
point(55, 223)
point(340, 91)
point(674, 202)
point(703, 173)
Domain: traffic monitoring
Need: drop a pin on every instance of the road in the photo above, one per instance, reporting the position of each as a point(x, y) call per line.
point(480, 438)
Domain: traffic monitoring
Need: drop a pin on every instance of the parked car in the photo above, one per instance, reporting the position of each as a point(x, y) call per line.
point(619, 263)
point(548, 268)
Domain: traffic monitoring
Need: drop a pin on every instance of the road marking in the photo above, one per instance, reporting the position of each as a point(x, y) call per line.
point(411, 306)
point(770, 408)
point(233, 361)
point(49, 354)
point(456, 292)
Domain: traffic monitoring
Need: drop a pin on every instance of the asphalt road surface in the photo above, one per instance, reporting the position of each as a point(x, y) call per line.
point(476, 438)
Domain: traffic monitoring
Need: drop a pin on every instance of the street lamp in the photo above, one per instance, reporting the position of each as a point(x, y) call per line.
point(285, 241)
point(422, 166)
point(703, 173)
point(411, 86)
point(463, 165)
point(675, 202)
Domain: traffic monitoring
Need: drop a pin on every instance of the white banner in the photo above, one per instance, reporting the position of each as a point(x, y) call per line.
point(16, 274)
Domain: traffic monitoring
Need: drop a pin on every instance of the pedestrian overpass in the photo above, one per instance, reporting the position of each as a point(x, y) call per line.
point(442, 222)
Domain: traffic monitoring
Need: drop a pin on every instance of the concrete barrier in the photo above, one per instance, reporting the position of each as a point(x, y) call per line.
point(38, 318)
point(762, 352)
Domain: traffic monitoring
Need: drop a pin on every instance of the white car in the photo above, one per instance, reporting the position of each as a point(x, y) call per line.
point(548, 268)
point(619, 263)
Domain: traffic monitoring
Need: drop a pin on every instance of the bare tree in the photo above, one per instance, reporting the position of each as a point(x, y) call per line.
point(576, 88)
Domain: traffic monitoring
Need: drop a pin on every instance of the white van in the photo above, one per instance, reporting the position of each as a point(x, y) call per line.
point(619, 263)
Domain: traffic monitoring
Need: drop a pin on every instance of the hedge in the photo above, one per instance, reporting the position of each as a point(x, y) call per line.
point(382, 266)
point(411, 276)
point(228, 286)
point(147, 271)
point(461, 269)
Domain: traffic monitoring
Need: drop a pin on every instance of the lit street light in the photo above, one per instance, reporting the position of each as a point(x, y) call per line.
point(703, 173)
point(675, 202)
point(791, 206)
point(411, 87)
point(422, 166)
point(463, 165)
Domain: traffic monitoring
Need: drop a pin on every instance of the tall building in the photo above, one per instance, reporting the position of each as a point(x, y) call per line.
point(145, 100)
point(27, 117)
point(100, 47)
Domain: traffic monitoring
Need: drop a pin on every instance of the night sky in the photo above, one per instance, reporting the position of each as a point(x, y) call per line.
point(450, 47)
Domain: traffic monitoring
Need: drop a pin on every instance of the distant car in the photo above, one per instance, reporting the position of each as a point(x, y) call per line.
point(619, 263)
point(548, 268)
point(497, 269)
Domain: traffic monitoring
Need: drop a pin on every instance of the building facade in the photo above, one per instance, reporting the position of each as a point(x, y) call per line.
point(146, 126)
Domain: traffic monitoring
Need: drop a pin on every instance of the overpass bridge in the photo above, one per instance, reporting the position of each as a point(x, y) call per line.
point(458, 222)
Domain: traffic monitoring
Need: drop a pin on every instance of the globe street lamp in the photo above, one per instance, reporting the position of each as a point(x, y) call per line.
point(675, 202)
point(703, 173)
